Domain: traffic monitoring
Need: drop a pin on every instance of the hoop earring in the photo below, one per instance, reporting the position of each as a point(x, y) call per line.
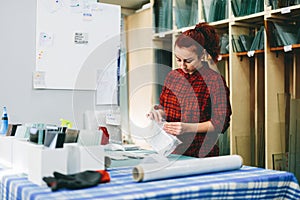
point(205, 56)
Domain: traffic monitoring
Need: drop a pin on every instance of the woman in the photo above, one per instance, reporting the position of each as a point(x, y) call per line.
point(194, 100)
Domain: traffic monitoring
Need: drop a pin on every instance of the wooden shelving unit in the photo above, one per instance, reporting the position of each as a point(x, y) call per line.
point(261, 85)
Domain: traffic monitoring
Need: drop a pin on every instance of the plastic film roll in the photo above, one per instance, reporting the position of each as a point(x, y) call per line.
point(149, 171)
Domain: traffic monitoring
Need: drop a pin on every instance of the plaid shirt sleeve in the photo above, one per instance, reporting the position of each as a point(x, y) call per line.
point(221, 107)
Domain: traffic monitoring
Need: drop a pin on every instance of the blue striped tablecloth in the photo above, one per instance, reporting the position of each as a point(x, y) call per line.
point(245, 183)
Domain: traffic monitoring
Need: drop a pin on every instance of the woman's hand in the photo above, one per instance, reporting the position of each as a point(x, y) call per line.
point(175, 128)
point(156, 114)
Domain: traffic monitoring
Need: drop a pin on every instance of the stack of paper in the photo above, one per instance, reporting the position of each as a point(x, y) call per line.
point(275, 4)
point(215, 10)
point(186, 13)
point(244, 43)
point(163, 15)
point(246, 7)
point(284, 34)
point(224, 44)
point(258, 41)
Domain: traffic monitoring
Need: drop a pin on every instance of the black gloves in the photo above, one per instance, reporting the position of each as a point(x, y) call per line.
point(78, 180)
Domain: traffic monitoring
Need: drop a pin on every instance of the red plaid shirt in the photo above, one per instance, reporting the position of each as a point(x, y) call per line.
point(194, 98)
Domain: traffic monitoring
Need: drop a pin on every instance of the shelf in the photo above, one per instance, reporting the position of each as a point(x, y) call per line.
point(255, 82)
point(253, 19)
point(226, 56)
point(246, 53)
point(167, 35)
point(181, 30)
point(295, 10)
point(294, 46)
point(222, 24)
point(291, 13)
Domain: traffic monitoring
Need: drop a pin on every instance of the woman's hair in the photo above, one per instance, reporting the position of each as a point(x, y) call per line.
point(206, 38)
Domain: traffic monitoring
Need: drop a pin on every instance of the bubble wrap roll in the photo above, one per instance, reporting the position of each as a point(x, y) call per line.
point(149, 171)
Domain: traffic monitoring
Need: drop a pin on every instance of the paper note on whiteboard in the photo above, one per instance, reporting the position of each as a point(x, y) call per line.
point(39, 80)
point(107, 85)
point(81, 38)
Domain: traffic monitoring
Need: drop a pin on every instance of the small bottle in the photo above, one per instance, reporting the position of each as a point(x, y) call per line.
point(4, 124)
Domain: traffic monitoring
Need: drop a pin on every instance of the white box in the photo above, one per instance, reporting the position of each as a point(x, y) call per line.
point(39, 161)
point(91, 158)
point(20, 151)
point(43, 161)
point(6, 146)
point(81, 158)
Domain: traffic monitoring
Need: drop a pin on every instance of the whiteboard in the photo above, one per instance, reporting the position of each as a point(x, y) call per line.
point(74, 39)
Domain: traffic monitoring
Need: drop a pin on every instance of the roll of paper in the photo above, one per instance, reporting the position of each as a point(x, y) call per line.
point(193, 166)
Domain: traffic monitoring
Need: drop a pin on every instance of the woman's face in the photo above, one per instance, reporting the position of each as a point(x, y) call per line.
point(187, 59)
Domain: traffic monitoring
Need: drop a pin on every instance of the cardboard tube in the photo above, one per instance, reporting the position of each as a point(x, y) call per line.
point(154, 171)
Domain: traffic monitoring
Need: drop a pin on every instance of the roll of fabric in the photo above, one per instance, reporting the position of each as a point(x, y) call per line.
point(179, 168)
